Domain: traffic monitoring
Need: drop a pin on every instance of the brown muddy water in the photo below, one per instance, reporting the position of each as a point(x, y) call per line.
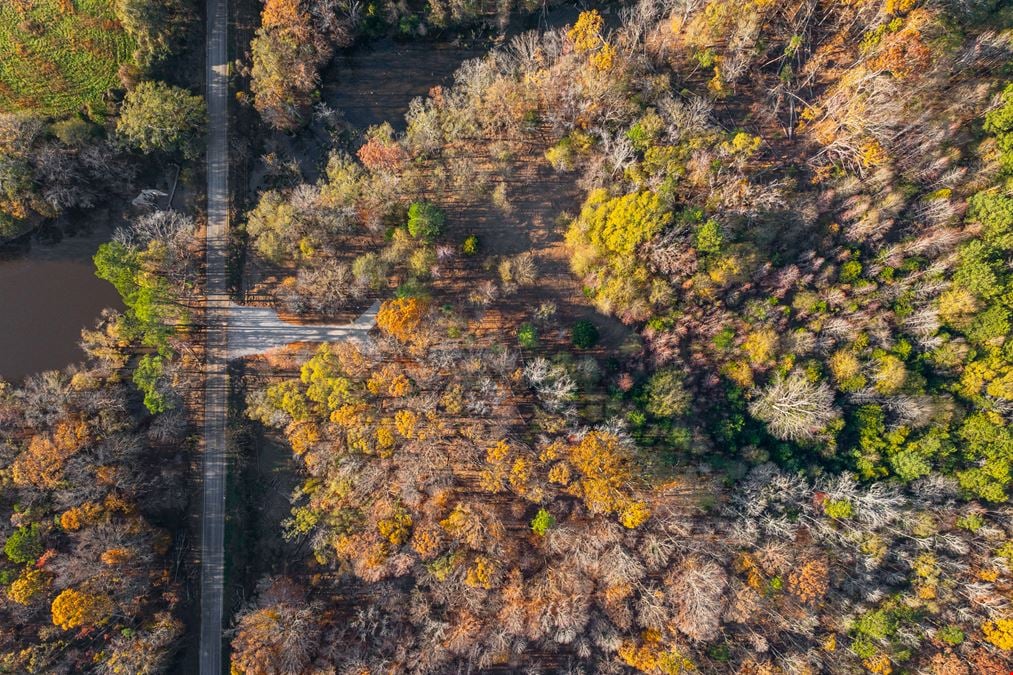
point(47, 295)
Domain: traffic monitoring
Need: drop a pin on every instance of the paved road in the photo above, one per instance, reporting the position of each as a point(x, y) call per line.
point(216, 383)
point(254, 330)
point(246, 330)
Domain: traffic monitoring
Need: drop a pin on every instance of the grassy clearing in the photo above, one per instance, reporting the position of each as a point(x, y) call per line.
point(58, 55)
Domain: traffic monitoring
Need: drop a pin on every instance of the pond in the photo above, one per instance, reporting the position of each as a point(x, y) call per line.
point(47, 295)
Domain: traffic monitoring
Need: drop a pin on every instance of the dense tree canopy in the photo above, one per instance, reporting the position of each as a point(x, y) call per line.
point(161, 117)
point(789, 452)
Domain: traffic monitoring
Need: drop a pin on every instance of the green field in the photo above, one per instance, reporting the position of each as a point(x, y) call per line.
point(58, 55)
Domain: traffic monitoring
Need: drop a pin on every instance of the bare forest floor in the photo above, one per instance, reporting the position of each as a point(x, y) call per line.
point(533, 219)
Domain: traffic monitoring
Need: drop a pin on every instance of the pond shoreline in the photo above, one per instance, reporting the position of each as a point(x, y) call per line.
point(48, 294)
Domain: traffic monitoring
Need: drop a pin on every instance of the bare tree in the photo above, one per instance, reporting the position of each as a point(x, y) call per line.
point(794, 408)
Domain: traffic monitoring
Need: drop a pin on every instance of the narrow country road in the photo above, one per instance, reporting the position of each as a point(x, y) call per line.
point(233, 331)
point(216, 385)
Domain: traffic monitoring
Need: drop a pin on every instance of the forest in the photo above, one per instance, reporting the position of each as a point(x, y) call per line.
point(95, 490)
point(693, 350)
point(742, 407)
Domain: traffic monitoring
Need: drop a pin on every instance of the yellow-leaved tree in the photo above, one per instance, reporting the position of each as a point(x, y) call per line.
point(73, 608)
point(402, 317)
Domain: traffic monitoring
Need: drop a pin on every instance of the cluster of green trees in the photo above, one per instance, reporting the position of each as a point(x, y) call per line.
point(73, 160)
point(353, 234)
point(153, 264)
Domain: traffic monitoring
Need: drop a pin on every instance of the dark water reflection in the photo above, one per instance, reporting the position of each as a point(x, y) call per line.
point(47, 295)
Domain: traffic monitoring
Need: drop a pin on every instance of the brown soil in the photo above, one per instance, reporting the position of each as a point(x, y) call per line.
point(535, 222)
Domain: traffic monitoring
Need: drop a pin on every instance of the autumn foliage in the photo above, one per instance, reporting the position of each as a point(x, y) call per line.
point(381, 152)
point(402, 317)
point(73, 608)
point(287, 50)
point(794, 455)
point(78, 555)
point(278, 634)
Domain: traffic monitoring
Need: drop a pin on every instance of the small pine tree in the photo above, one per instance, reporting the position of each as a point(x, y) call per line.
point(541, 523)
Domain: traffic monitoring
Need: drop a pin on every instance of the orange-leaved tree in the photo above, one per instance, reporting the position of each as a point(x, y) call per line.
point(402, 317)
point(73, 608)
point(599, 470)
point(282, 13)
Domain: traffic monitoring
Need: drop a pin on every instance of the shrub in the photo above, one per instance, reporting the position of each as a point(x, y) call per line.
point(972, 522)
point(370, 270)
point(147, 376)
point(851, 271)
point(584, 334)
point(645, 131)
point(410, 288)
point(742, 145)
point(73, 131)
point(409, 24)
point(561, 156)
point(541, 523)
point(708, 238)
point(500, 199)
point(724, 339)
point(527, 335)
point(425, 220)
point(878, 624)
point(520, 270)
point(666, 395)
point(720, 653)
point(470, 245)
point(951, 635)
point(838, 508)
point(24, 545)
point(422, 261)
